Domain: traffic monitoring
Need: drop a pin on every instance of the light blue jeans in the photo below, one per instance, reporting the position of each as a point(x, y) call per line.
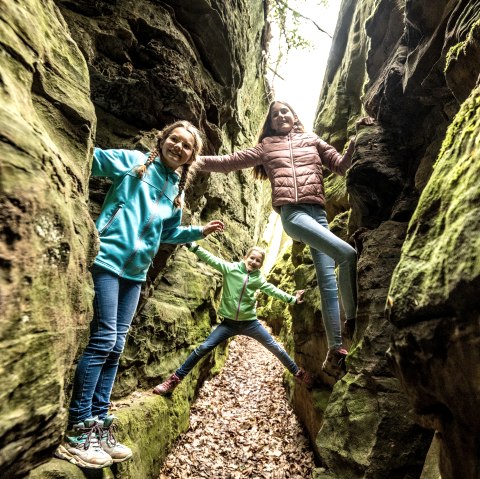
point(229, 328)
point(114, 305)
point(308, 224)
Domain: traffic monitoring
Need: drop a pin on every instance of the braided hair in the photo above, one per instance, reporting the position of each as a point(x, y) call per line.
point(267, 130)
point(188, 169)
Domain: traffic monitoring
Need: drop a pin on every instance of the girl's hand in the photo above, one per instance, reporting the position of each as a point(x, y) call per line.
point(366, 120)
point(214, 226)
point(299, 295)
point(351, 147)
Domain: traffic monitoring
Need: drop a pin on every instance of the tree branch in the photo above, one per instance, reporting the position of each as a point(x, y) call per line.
point(285, 4)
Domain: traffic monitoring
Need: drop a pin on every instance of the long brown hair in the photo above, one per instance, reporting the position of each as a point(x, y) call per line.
point(267, 130)
point(188, 169)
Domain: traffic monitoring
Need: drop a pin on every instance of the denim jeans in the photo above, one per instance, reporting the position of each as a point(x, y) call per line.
point(114, 306)
point(228, 328)
point(308, 224)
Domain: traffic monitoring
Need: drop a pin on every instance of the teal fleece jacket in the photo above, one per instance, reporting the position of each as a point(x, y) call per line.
point(138, 213)
point(239, 287)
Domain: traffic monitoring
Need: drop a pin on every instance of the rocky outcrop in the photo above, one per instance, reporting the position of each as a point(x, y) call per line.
point(75, 73)
point(47, 237)
point(414, 77)
point(436, 345)
point(183, 62)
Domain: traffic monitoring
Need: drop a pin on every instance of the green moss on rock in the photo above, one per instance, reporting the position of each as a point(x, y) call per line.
point(441, 251)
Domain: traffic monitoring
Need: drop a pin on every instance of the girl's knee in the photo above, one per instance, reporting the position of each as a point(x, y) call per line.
point(202, 350)
point(103, 347)
point(350, 255)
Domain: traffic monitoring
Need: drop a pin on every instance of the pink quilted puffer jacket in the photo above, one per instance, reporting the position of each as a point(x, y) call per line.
point(293, 164)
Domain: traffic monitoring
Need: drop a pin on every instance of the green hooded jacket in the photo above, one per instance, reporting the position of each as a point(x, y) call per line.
point(239, 287)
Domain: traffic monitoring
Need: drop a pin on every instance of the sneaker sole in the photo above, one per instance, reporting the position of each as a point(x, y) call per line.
point(162, 393)
point(62, 453)
point(121, 459)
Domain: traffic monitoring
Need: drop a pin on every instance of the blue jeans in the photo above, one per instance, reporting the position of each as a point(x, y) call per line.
point(228, 328)
point(308, 224)
point(115, 302)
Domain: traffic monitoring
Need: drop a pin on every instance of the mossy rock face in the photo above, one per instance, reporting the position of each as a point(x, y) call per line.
point(433, 296)
point(47, 243)
point(464, 57)
point(141, 65)
point(60, 469)
point(340, 100)
point(361, 429)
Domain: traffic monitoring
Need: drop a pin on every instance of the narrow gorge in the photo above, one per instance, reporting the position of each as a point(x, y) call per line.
point(111, 73)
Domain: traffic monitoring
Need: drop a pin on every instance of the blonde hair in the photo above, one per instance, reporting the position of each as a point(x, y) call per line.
point(259, 250)
point(188, 170)
point(267, 130)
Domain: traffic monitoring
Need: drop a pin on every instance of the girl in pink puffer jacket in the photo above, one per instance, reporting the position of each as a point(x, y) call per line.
point(293, 161)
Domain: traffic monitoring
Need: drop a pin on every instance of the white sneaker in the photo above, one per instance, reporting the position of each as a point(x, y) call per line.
point(117, 451)
point(81, 447)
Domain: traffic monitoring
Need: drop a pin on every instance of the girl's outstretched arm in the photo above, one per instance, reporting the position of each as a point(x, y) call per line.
point(214, 261)
point(272, 290)
point(174, 233)
point(115, 162)
point(215, 226)
point(235, 161)
point(332, 159)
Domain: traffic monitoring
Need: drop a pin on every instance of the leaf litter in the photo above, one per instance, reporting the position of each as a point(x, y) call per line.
point(241, 425)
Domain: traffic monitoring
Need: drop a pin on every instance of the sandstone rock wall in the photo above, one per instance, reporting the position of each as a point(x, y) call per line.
point(151, 63)
point(405, 64)
point(110, 73)
point(47, 237)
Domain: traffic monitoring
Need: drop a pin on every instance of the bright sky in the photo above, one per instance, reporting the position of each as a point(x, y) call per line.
point(304, 70)
point(303, 77)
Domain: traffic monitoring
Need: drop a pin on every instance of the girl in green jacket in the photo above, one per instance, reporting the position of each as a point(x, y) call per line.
point(241, 280)
point(142, 209)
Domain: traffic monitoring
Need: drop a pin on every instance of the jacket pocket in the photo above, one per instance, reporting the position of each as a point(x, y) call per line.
point(111, 220)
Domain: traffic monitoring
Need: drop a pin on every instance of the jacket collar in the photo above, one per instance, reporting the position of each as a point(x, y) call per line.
point(244, 269)
point(166, 171)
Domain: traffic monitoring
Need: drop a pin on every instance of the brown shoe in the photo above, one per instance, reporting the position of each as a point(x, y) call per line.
point(167, 386)
point(334, 364)
point(303, 377)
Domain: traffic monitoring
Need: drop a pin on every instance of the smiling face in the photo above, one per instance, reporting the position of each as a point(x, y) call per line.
point(253, 260)
point(282, 118)
point(178, 148)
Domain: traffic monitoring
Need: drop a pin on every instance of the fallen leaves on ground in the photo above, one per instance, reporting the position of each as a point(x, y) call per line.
point(241, 425)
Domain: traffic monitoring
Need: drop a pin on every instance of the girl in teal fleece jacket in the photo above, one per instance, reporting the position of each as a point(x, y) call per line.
point(241, 280)
point(142, 209)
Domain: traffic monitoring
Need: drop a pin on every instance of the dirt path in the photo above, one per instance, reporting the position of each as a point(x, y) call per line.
point(241, 425)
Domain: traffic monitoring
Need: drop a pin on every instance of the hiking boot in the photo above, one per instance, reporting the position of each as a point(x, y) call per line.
point(334, 364)
point(303, 377)
point(167, 386)
point(349, 327)
point(81, 446)
point(117, 451)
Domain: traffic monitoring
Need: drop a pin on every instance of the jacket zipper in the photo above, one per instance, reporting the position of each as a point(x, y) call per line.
point(293, 167)
point(110, 221)
point(144, 230)
point(241, 294)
